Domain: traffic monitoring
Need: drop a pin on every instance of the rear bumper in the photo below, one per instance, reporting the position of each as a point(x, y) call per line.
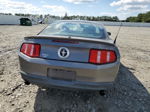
point(84, 71)
point(47, 82)
point(88, 76)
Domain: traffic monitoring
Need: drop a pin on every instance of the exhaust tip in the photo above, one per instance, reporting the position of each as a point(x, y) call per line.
point(102, 92)
point(27, 82)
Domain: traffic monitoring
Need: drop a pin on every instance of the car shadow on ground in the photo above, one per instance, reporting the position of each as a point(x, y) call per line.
point(129, 95)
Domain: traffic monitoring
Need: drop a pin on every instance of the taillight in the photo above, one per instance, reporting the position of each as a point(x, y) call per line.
point(102, 56)
point(32, 50)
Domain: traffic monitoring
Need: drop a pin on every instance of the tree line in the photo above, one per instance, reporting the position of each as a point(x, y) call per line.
point(66, 17)
point(91, 18)
point(142, 17)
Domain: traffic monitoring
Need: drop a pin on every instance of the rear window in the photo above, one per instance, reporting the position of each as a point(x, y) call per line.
point(77, 29)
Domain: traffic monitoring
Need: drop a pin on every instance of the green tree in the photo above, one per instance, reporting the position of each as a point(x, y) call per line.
point(131, 19)
point(142, 17)
point(115, 18)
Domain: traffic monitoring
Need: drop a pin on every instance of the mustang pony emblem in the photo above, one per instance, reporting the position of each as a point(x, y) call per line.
point(63, 52)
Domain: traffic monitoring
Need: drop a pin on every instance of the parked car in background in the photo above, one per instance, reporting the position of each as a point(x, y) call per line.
point(25, 22)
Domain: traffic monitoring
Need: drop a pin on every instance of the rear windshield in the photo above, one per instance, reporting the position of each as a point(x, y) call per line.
point(77, 29)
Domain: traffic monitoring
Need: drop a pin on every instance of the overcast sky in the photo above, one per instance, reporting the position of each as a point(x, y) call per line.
point(120, 8)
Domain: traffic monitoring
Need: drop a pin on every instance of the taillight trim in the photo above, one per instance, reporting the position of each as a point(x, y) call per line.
point(29, 55)
point(102, 50)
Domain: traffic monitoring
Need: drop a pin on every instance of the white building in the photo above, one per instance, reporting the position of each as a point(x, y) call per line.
point(15, 20)
point(9, 19)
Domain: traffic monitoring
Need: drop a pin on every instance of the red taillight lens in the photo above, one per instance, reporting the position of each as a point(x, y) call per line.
point(32, 50)
point(102, 56)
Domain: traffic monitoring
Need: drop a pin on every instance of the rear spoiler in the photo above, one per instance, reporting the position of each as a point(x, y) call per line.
point(109, 41)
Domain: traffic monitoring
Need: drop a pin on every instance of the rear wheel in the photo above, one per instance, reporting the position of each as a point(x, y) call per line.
point(108, 92)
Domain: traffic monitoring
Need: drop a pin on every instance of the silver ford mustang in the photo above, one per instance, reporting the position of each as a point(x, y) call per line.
point(70, 54)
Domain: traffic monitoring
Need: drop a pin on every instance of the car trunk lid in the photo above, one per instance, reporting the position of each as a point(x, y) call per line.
point(75, 49)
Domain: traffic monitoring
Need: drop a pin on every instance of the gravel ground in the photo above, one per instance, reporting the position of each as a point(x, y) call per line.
point(132, 86)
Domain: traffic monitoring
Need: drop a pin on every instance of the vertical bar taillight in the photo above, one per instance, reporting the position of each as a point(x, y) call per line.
point(31, 49)
point(102, 56)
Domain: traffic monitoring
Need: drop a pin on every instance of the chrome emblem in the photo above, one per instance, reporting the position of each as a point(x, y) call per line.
point(63, 52)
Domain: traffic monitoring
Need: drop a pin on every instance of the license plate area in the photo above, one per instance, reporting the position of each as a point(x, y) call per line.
point(62, 74)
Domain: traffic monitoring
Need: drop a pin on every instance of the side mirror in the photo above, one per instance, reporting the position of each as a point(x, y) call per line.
point(109, 33)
